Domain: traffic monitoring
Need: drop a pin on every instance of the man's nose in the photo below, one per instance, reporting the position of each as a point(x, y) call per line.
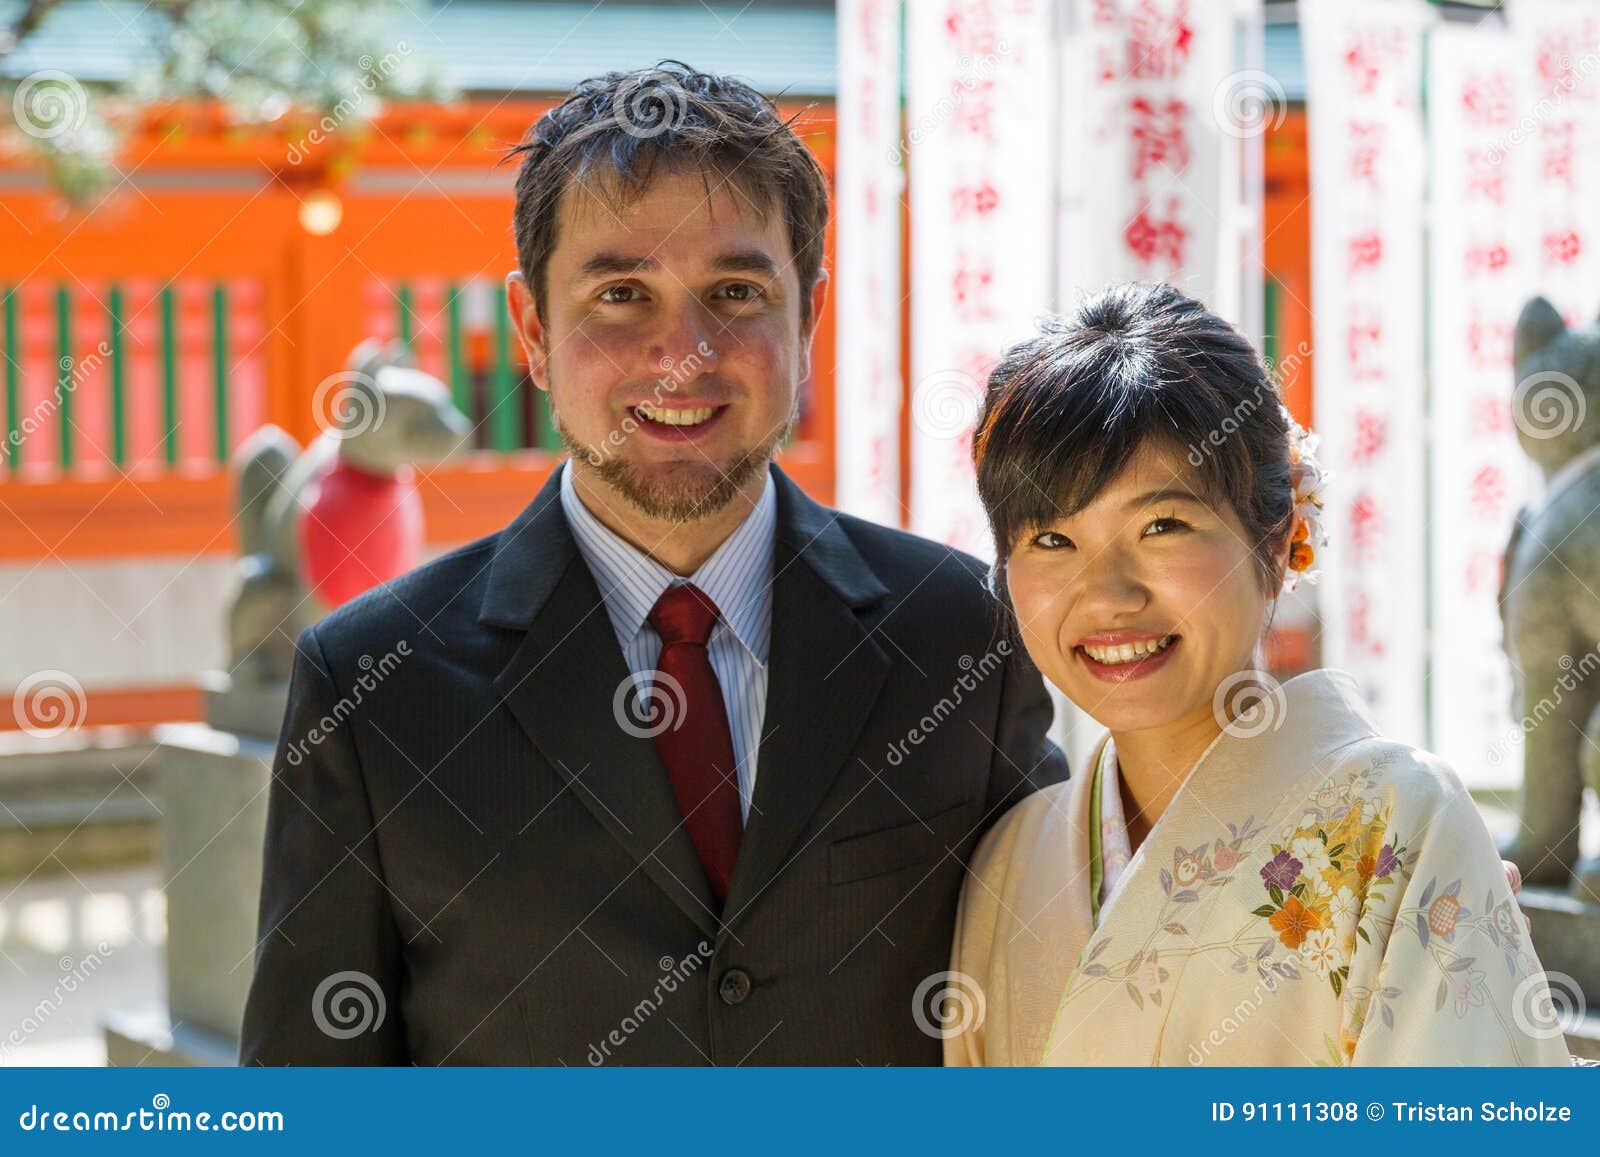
point(688, 343)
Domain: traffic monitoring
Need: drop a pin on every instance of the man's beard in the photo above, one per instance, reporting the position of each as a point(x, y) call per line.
point(674, 500)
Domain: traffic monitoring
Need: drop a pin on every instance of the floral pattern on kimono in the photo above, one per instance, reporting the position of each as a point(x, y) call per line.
point(1355, 913)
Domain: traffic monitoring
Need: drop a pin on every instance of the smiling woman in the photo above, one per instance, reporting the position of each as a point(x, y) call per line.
point(1235, 845)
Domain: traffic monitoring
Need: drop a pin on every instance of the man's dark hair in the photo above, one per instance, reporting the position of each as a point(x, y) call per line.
point(1066, 412)
point(617, 132)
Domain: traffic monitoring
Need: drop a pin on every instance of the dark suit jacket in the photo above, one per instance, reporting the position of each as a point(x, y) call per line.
point(461, 835)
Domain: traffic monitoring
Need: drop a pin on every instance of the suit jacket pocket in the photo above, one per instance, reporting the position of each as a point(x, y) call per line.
point(902, 846)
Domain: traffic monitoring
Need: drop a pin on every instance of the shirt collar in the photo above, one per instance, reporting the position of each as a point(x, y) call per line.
point(737, 576)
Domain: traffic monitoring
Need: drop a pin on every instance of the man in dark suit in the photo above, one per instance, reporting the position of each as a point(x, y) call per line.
point(681, 767)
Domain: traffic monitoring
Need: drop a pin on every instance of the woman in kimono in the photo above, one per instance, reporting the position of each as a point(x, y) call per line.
point(1246, 872)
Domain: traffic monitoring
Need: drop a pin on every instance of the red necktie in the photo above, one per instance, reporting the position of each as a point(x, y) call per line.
point(697, 747)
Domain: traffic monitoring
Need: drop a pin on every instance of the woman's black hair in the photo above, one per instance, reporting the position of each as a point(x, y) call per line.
point(1068, 409)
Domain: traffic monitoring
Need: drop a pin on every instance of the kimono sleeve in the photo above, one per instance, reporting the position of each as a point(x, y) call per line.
point(1443, 971)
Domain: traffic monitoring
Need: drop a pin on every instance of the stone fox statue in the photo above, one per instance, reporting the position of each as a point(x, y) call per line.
point(1548, 603)
point(318, 527)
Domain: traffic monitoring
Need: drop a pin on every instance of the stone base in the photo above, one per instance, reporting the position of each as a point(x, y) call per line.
point(250, 709)
point(1566, 934)
point(145, 1037)
point(214, 818)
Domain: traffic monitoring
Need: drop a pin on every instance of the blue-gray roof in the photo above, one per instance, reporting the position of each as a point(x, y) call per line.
point(547, 46)
point(503, 45)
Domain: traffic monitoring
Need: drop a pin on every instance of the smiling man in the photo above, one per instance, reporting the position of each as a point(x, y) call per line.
point(681, 767)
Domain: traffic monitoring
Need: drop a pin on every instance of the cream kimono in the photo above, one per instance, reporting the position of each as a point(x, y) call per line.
point(1315, 894)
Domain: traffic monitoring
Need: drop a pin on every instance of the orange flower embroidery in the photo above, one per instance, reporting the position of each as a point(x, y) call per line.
point(1294, 920)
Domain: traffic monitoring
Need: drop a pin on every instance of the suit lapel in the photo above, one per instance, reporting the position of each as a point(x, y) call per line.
point(825, 676)
point(561, 685)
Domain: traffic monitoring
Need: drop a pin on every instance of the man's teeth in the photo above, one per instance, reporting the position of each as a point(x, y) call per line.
point(1128, 652)
point(676, 417)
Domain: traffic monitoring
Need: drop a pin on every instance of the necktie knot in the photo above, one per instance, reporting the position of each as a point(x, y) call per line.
point(683, 614)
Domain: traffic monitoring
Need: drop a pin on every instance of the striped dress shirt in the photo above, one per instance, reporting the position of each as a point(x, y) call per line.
point(737, 577)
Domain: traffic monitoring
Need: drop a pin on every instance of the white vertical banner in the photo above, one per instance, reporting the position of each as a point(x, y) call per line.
point(868, 292)
point(1163, 115)
point(981, 113)
point(1481, 269)
point(1556, 142)
point(1364, 108)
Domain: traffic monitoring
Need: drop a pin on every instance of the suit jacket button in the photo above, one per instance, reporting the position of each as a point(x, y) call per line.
point(734, 986)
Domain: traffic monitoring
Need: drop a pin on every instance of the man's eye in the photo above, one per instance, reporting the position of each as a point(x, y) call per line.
point(1051, 540)
point(741, 291)
point(619, 294)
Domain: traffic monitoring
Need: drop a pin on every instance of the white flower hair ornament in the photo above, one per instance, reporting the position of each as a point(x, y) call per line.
point(1308, 479)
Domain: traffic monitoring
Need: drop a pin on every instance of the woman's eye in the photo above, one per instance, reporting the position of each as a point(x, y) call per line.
point(1051, 540)
point(1173, 523)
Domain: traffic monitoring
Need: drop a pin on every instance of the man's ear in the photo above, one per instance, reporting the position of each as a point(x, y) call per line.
point(529, 329)
point(808, 323)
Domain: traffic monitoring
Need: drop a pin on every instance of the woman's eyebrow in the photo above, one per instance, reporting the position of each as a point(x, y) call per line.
point(1168, 494)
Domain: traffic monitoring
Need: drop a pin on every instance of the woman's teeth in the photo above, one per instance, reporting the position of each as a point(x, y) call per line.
point(675, 417)
point(1128, 652)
